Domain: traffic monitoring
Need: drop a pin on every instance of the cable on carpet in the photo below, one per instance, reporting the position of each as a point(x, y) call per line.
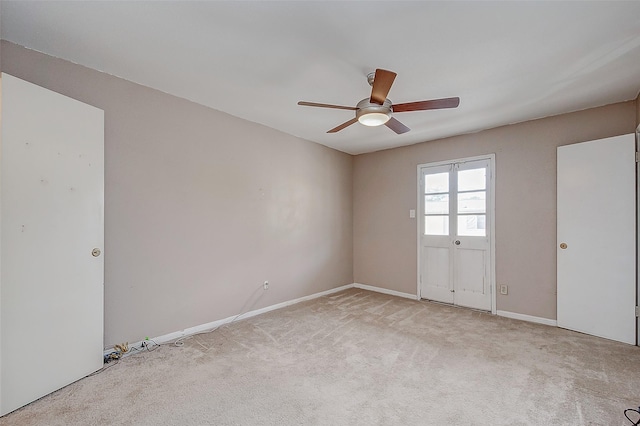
point(180, 342)
point(106, 366)
point(633, 410)
point(121, 349)
point(117, 353)
point(144, 345)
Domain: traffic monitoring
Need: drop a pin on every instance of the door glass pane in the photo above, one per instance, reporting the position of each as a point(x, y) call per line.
point(436, 204)
point(472, 225)
point(472, 202)
point(469, 180)
point(438, 182)
point(436, 225)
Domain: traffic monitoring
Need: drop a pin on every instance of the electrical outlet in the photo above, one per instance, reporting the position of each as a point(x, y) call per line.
point(504, 289)
point(266, 285)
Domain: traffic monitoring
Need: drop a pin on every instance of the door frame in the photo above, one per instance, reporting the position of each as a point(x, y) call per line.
point(491, 203)
point(637, 134)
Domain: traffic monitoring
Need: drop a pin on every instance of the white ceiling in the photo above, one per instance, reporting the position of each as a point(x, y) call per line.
point(507, 61)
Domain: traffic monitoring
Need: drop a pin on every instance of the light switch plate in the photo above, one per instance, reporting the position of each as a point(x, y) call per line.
point(412, 214)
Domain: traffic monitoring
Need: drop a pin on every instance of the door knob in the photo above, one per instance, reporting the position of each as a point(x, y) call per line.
point(456, 242)
point(563, 246)
point(95, 252)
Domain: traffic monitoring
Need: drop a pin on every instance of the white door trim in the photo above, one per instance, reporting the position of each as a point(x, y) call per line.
point(637, 234)
point(490, 208)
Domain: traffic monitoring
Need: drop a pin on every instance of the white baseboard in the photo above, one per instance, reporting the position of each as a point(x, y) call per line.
point(385, 291)
point(530, 318)
point(215, 324)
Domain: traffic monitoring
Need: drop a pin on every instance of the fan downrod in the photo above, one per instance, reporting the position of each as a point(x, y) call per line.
point(370, 77)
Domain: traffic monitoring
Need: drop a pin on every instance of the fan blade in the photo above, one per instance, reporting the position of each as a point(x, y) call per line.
point(396, 126)
point(314, 104)
point(381, 85)
point(343, 125)
point(424, 105)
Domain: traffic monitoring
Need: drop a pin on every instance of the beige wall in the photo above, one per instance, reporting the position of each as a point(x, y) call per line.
point(385, 188)
point(202, 207)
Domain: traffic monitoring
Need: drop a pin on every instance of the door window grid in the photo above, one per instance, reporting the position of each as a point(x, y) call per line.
point(472, 202)
point(469, 202)
point(436, 203)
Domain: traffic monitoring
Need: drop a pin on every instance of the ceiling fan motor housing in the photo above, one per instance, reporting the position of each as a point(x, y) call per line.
point(371, 114)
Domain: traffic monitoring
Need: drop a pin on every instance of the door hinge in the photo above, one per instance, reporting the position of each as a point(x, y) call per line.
point(637, 311)
point(637, 157)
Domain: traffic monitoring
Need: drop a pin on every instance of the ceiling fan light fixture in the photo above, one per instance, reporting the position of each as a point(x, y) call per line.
point(372, 114)
point(373, 119)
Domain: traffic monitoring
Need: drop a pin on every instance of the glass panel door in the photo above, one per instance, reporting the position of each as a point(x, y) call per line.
point(472, 202)
point(454, 239)
point(436, 199)
point(436, 203)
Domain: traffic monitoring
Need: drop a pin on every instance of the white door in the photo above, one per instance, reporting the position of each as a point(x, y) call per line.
point(51, 219)
point(455, 232)
point(597, 238)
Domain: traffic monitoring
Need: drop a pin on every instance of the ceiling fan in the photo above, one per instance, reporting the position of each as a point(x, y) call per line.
point(377, 110)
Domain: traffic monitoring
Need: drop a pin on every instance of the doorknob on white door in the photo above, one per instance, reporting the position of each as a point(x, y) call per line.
point(563, 246)
point(456, 242)
point(95, 252)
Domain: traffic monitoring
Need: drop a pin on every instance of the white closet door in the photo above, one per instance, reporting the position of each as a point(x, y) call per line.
point(597, 238)
point(51, 278)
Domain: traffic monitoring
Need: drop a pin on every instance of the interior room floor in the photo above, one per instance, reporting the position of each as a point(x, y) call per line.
point(360, 358)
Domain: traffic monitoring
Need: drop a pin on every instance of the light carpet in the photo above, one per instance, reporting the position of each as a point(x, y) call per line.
point(360, 358)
